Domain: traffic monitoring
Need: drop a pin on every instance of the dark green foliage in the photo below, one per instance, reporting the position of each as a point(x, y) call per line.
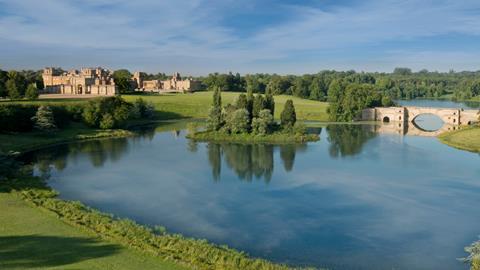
point(263, 124)
point(387, 101)
point(226, 82)
point(269, 102)
point(44, 119)
point(258, 105)
point(288, 116)
point(123, 80)
point(31, 92)
point(142, 109)
point(242, 102)
point(238, 122)
point(107, 121)
point(96, 109)
point(215, 117)
point(3, 80)
point(12, 89)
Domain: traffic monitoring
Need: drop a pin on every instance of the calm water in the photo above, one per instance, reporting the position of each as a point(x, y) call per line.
point(354, 200)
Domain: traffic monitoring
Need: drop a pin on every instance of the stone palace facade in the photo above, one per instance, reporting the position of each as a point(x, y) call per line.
point(174, 84)
point(87, 81)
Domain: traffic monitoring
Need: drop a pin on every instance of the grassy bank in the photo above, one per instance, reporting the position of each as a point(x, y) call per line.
point(465, 139)
point(196, 105)
point(34, 239)
point(27, 141)
point(275, 138)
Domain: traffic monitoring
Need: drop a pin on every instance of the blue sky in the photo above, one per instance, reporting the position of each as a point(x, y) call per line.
point(248, 36)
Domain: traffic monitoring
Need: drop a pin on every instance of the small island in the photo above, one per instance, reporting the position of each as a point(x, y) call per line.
point(250, 120)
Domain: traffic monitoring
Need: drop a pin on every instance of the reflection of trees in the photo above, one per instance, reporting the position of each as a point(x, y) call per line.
point(98, 151)
point(348, 140)
point(250, 160)
point(215, 159)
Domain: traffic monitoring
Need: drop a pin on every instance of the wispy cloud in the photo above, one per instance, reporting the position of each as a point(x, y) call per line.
point(195, 36)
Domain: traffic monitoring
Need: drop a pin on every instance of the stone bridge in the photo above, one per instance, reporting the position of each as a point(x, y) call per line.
point(449, 116)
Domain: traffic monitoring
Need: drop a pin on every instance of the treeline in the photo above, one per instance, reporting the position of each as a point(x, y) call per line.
point(402, 83)
point(104, 113)
point(20, 84)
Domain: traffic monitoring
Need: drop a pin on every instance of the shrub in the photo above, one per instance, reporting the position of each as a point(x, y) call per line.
point(95, 110)
point(107, 121)
point(142, 109)
point(44, 119)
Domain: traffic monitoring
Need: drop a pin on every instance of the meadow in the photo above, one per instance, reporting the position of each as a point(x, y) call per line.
point(465, 139)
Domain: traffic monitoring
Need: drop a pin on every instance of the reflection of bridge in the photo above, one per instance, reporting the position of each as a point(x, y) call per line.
point(408, 114)
point(409, 128)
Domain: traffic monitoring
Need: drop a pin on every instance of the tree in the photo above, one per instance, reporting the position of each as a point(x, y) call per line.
point(258, 105)
point(269, 102)
point(215, 119)
point(123, 80)
point(288, 116)
point(317, 89)
point(3, 80)
point(263, 124)
point(239, 121)
point(242, 102)
point(387, 101)
point(44, 119)
point(32, 92)
point(12, 89)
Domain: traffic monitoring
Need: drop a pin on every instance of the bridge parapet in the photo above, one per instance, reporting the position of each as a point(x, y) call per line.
point(449, 116)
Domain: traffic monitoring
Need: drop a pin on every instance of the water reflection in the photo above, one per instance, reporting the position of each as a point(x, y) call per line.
point(348, 140)
point(250, 161)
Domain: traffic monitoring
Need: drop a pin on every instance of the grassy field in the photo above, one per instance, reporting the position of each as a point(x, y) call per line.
point(75, 131)
point(196, 105)
point(34, 239)
point(465, 139)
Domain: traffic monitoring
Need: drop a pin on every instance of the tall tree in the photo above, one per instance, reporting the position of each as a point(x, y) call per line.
point(215, 120)
point(288, 116)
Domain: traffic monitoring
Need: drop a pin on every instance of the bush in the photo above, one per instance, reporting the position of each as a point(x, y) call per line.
point(107, 121)
point(238, 121)
point(263, 124)
point(44, 119)
point(142, 109)
point(116, 107)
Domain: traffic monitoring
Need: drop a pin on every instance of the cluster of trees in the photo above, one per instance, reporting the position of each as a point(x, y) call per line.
point(348, 100)
point(20, 84)
point(104, 113)
point(250, 114)
point(402, 83)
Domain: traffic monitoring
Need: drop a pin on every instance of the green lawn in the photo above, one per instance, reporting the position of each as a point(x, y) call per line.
point(34, 239)
point(196, 105)
point(465, 139)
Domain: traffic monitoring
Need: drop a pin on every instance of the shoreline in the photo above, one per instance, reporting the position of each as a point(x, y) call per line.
point(172, 248)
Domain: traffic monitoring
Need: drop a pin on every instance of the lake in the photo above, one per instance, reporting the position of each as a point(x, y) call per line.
point(356, 199)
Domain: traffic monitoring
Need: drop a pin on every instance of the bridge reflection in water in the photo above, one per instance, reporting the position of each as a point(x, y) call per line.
point(410, 128)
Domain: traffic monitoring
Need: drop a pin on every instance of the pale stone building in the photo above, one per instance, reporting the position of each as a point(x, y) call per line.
point(174, 84)
point(87, 81)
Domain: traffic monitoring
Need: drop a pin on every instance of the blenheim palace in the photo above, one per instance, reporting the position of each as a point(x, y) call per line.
point(100, 82)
